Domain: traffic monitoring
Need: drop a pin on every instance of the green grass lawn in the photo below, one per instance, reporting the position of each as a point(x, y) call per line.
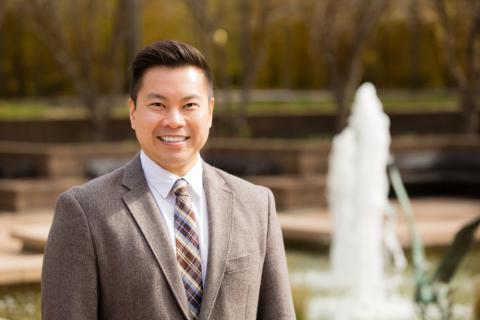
point(393, 102)
point(36, 109)
point(328, 106)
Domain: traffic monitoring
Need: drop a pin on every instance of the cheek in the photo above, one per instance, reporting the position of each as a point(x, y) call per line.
point(146, 121)
point(202, 122)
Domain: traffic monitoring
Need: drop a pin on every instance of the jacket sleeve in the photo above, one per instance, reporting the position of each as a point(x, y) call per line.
point(69, 275)
point(275, 300)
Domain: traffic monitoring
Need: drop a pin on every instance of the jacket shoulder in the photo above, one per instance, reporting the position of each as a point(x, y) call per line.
point(237, 183)
point(99, 187)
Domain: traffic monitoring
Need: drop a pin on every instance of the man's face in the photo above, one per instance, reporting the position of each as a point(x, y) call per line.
point(173, 115)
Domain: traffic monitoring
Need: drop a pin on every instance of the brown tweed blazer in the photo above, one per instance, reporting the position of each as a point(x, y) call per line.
point(108, 254)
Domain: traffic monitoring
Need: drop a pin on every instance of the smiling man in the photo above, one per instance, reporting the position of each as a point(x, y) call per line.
point(167, 236)
point(174, 115)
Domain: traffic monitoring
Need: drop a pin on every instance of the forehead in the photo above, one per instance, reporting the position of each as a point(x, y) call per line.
point(174, 79)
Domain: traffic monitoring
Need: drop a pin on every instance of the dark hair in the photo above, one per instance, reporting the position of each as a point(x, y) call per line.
point(167, 53)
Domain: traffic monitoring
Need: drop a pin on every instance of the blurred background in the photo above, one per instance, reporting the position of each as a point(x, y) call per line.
point(285, 74)
point(421, 54)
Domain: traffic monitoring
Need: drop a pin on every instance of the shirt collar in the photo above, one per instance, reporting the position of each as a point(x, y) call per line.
point(162, 180)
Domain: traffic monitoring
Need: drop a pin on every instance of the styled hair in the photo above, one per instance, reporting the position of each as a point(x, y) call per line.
point(166, 53)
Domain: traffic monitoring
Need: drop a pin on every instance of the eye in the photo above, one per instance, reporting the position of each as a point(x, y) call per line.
point(191, 105)
point(156, 105)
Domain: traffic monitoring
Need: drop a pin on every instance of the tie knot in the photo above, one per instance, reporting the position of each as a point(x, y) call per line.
point(180, 187)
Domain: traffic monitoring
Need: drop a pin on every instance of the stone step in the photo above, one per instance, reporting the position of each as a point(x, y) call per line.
point(249, 157)
point(292, 191)
point(237, 156)
point(17, 265)
point(25, 194)
point(33, 237)
point(24, 159)
point(314, 225)
point(437, 221)
point(421, 159)
point(20, 268)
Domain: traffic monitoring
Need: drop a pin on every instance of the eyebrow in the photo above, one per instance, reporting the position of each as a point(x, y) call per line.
point(153, 95)
point(192, 96)
point(156, 96)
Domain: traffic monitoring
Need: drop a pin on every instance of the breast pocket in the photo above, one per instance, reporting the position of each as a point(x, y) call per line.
point(240, 264)
point(240, 275)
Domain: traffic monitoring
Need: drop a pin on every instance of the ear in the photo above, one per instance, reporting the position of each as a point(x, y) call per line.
point(211, 106)
point(132, 109)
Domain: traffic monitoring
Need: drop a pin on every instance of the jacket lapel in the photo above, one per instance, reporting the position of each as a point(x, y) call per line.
point(219, 206)
point(144, 210)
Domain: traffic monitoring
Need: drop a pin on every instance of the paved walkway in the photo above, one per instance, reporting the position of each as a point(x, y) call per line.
point(23, 235)
point(437, 221)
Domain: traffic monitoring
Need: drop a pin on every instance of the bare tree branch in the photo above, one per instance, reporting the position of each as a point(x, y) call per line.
point(368, 21)
point(253, 48)
point(92, 60)
point(465, 72)
point(3, 11)
point(342, 44)
point(472, 63)
point(414, 26)
point(449, 44)
point(251, 30)
point(206, 23)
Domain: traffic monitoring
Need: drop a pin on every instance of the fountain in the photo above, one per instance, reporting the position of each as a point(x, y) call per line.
point(364, 241)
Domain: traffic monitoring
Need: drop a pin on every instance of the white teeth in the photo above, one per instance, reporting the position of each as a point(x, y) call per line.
point(173, 139)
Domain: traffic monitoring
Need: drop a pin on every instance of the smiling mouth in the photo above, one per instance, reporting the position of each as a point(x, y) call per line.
point(173, 139)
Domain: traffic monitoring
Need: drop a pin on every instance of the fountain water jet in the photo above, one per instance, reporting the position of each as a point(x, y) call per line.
point(364, 238)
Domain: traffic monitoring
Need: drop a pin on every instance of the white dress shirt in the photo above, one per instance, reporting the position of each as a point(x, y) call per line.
point(160, 181)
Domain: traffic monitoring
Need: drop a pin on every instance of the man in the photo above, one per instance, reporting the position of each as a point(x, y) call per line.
point(167, 236)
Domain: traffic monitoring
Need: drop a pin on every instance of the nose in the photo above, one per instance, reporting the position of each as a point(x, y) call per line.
point(174, 119)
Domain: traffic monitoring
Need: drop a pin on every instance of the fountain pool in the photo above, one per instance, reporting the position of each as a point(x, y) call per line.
point(23, 302)
point(310, 263)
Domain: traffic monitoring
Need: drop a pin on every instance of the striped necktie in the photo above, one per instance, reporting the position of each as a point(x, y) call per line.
point(187, 247)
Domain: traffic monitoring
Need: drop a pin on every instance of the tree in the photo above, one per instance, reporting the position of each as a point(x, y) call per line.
point(87, 39)
point(133, 36)
point(5, 7)
point(340, 31)
point(250, 31)
point(414, 26)
point(2, 13)
point(462, 56)
point(210, 18)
